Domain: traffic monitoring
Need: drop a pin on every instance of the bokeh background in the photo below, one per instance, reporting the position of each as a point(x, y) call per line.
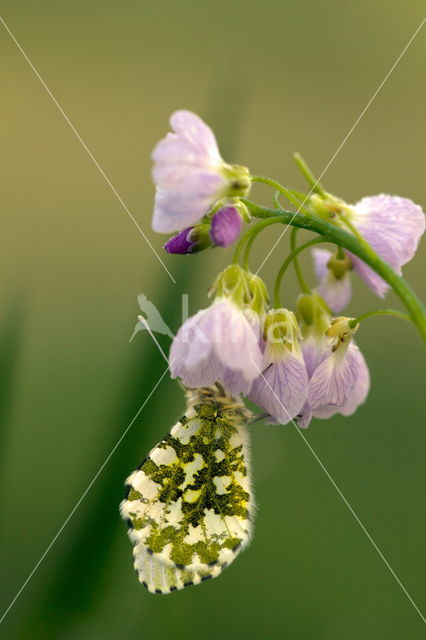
point(270, 78)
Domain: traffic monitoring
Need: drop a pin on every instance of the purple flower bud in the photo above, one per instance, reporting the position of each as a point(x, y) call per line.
point(180, 243)
point(226, 226)
point(189, 240)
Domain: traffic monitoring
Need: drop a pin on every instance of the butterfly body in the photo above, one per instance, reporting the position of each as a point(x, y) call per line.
point(189, 505)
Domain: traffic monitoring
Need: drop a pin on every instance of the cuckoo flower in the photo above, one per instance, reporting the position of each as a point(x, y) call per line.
point(391, 225)
point(221, 343)
point(281, 389)
point(339, 380)
point(190, 174)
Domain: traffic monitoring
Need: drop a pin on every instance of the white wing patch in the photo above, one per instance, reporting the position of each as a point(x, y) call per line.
point(189, 505)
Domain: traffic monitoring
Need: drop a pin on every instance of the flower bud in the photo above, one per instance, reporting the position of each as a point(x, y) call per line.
point(190, 240)
point(258, 295)
point(239, 180)
point(231, 283)
point(339, 265)
point(327, 207)
point(312, 313)
point(226, 226)
point(281, 328)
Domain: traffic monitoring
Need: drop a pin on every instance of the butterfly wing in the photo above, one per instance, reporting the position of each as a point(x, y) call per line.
point(189, 505)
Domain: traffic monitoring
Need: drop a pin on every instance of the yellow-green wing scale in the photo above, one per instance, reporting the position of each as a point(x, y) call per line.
point(189, 505)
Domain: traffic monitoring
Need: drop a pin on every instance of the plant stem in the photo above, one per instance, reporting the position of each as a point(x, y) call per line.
point(301, 280)
point(291, 257)
point(348, 241)
point(379, 312)
point(249, 237)
point(279, 187)
point(315, 185)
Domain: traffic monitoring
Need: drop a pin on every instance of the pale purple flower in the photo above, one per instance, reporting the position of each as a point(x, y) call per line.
point(217, 344)
point(393, 227)
point(334, 379)
point(190, 174)
point(336, 291)
point(226, 226)
point(339, 380)
point(315, 348)
point(281, 388)
point(357, 395)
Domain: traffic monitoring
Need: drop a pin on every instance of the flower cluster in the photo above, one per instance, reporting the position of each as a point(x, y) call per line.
point(293, 365)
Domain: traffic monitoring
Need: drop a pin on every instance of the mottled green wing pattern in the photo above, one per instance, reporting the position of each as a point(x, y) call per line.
point(189, 505)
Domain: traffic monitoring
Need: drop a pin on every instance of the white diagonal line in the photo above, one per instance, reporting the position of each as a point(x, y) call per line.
point(144, 322)
point(86, 148)
point(80, 500)
point(339, 148)
point(343, 498)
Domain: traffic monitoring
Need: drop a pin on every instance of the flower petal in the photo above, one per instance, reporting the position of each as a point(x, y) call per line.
point(321, 258)
point(360, 390)
point(192, 128)
point(226, 226)
point(391, 223)
point(315, 349)
point(393, 227)
point(217, 343)
point(183, 206)
point(281, 389)
point(357, 396)
point(334, 379)
point(337, 292)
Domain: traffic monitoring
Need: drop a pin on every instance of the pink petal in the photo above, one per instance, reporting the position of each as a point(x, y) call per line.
point(321, 258)
point(197, 132)
point(393, 227)
point(217, 343)
point(334, 379)
point(357, 396)
point(282, 389)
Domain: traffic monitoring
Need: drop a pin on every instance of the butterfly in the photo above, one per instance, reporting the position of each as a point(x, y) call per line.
point(189, 506)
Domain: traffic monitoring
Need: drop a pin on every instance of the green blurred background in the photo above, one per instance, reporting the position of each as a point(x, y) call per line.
point(270, 78)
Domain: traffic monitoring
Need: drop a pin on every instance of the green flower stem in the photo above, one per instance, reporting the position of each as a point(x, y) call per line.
point(301, 280)
point(348, 241)
point(276, 200)
point(315, 185)
point(279, 187)
point(250, 235)
point(292, 257)
point(379, 312)
point(356, 233)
